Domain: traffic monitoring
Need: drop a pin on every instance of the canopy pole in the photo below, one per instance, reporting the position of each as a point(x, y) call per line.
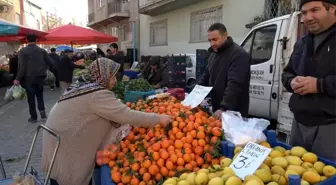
point(71, 45)
point(134, 41)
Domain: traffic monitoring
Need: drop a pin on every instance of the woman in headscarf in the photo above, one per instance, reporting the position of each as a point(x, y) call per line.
point(86, 114)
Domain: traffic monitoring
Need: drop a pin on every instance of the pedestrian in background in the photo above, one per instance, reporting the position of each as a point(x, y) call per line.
point(56, 59)
point(13, 64)
point(33, 63)
point(66, 67)
point(119, 57)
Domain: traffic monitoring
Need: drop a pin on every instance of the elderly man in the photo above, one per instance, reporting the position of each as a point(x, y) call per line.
point(311, 76)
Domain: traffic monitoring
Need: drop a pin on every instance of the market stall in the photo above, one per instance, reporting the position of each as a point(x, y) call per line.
point(193, 150)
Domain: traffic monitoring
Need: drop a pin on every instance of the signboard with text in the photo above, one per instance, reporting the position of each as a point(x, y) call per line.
point(249, 159)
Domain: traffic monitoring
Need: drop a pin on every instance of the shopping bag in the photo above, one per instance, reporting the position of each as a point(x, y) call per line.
point(240, 131)
point(19, 93)
point(9, 94)
point(50, 79)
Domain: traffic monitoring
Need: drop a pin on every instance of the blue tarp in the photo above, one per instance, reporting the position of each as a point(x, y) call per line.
point(62, 48)
point(8, 29)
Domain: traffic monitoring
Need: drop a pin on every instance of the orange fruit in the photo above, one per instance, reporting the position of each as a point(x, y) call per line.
point(153, 170)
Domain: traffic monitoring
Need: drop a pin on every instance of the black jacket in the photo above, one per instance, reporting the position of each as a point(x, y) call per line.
point(160, 77)
point(228, 72)
point(13, 65)
point(65, 69)
point(119, 58)
point(33, 61)
point(56, 59)
point(320, 108)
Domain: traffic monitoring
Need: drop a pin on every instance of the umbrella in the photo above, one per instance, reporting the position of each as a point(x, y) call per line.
point(62, 48)
point(71, 34)
point(11, 31)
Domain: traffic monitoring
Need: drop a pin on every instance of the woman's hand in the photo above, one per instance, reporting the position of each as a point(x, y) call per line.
point(165, 120)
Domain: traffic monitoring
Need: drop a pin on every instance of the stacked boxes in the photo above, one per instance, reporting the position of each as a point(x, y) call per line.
point(177, 71)
point(201, 62)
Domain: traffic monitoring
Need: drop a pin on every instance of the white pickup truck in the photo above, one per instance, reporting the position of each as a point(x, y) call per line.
point(270, 45)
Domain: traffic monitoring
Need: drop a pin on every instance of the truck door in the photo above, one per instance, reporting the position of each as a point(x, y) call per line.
point(261, 44)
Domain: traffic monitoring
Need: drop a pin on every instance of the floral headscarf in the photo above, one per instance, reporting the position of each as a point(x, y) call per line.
point(97, 78)
point(102, 69)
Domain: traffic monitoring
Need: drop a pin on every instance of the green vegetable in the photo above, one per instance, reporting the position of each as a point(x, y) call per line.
point(139, 85)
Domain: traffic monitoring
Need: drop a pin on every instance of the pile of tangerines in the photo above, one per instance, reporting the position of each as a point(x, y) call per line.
point(149, 156)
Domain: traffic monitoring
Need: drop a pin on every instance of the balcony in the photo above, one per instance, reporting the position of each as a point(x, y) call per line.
point(91, 17)
point(156, 7)
point(6, 2)
point(117, 10)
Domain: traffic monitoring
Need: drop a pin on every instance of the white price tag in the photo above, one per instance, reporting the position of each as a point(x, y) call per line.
point(249, 159)
point(196, 96)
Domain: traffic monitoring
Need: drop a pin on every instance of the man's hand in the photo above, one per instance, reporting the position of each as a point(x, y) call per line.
point(165, 120)
point(218, 114)
point(16, 82)
point(156, 86)
point(305, 85)
point(295, 83)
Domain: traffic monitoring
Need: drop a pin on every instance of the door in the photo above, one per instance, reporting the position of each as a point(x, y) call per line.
point(261, 44)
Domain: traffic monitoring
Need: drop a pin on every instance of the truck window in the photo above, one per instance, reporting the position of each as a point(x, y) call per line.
point(259, 44)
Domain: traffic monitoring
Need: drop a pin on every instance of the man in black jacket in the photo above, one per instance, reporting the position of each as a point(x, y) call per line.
point(56, 59)
point(13, 64)
point(228, 72)
point(32, 70)
point(311, 76)
point(118, 57)
point(66, 67)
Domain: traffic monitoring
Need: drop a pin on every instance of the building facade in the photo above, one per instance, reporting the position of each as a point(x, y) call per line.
point(32, 15)
point(118, 18)
point(180, 26)
point(10, 10)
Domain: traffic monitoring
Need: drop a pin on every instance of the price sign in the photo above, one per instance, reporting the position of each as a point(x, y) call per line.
point(249, 159)
point(196, 96)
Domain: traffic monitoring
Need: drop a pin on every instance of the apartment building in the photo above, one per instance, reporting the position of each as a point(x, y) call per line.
point(32, 15)
point(10, 10)
point(117, 18)
point(180, 26)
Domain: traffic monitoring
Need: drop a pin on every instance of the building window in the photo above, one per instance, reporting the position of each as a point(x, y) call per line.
point(201, 21)
point(38, 26)
point(158, 33)
point(17, 18)
point(100, 3)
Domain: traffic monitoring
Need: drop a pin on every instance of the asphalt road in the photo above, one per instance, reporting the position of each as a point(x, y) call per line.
point(16, 134)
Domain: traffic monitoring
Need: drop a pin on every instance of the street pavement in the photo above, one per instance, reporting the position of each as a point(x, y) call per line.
point(16, 134)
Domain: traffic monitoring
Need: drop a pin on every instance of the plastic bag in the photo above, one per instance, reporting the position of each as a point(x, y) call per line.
point(240, 131)
point(9, 94)
point(50, 79)
point(19, 93)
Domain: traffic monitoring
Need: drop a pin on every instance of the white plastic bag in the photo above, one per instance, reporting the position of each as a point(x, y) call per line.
point(240, 132)
point(9, 94)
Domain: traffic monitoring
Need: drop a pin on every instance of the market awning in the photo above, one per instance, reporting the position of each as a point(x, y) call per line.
point(71, 34)
point(11, 29)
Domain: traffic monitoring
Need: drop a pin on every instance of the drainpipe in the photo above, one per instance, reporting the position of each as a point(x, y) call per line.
point(134, 40)
point(22, 12)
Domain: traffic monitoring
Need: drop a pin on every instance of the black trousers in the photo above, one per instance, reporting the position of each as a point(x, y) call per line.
point(34, 88)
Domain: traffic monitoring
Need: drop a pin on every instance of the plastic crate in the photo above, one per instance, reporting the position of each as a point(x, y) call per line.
point(133, 96)
point(131, 74)
point(228, 151)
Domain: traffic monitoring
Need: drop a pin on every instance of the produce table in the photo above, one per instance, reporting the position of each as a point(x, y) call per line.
point(227, 149)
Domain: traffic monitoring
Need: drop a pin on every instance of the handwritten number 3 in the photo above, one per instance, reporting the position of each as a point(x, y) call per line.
point(241, 161)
